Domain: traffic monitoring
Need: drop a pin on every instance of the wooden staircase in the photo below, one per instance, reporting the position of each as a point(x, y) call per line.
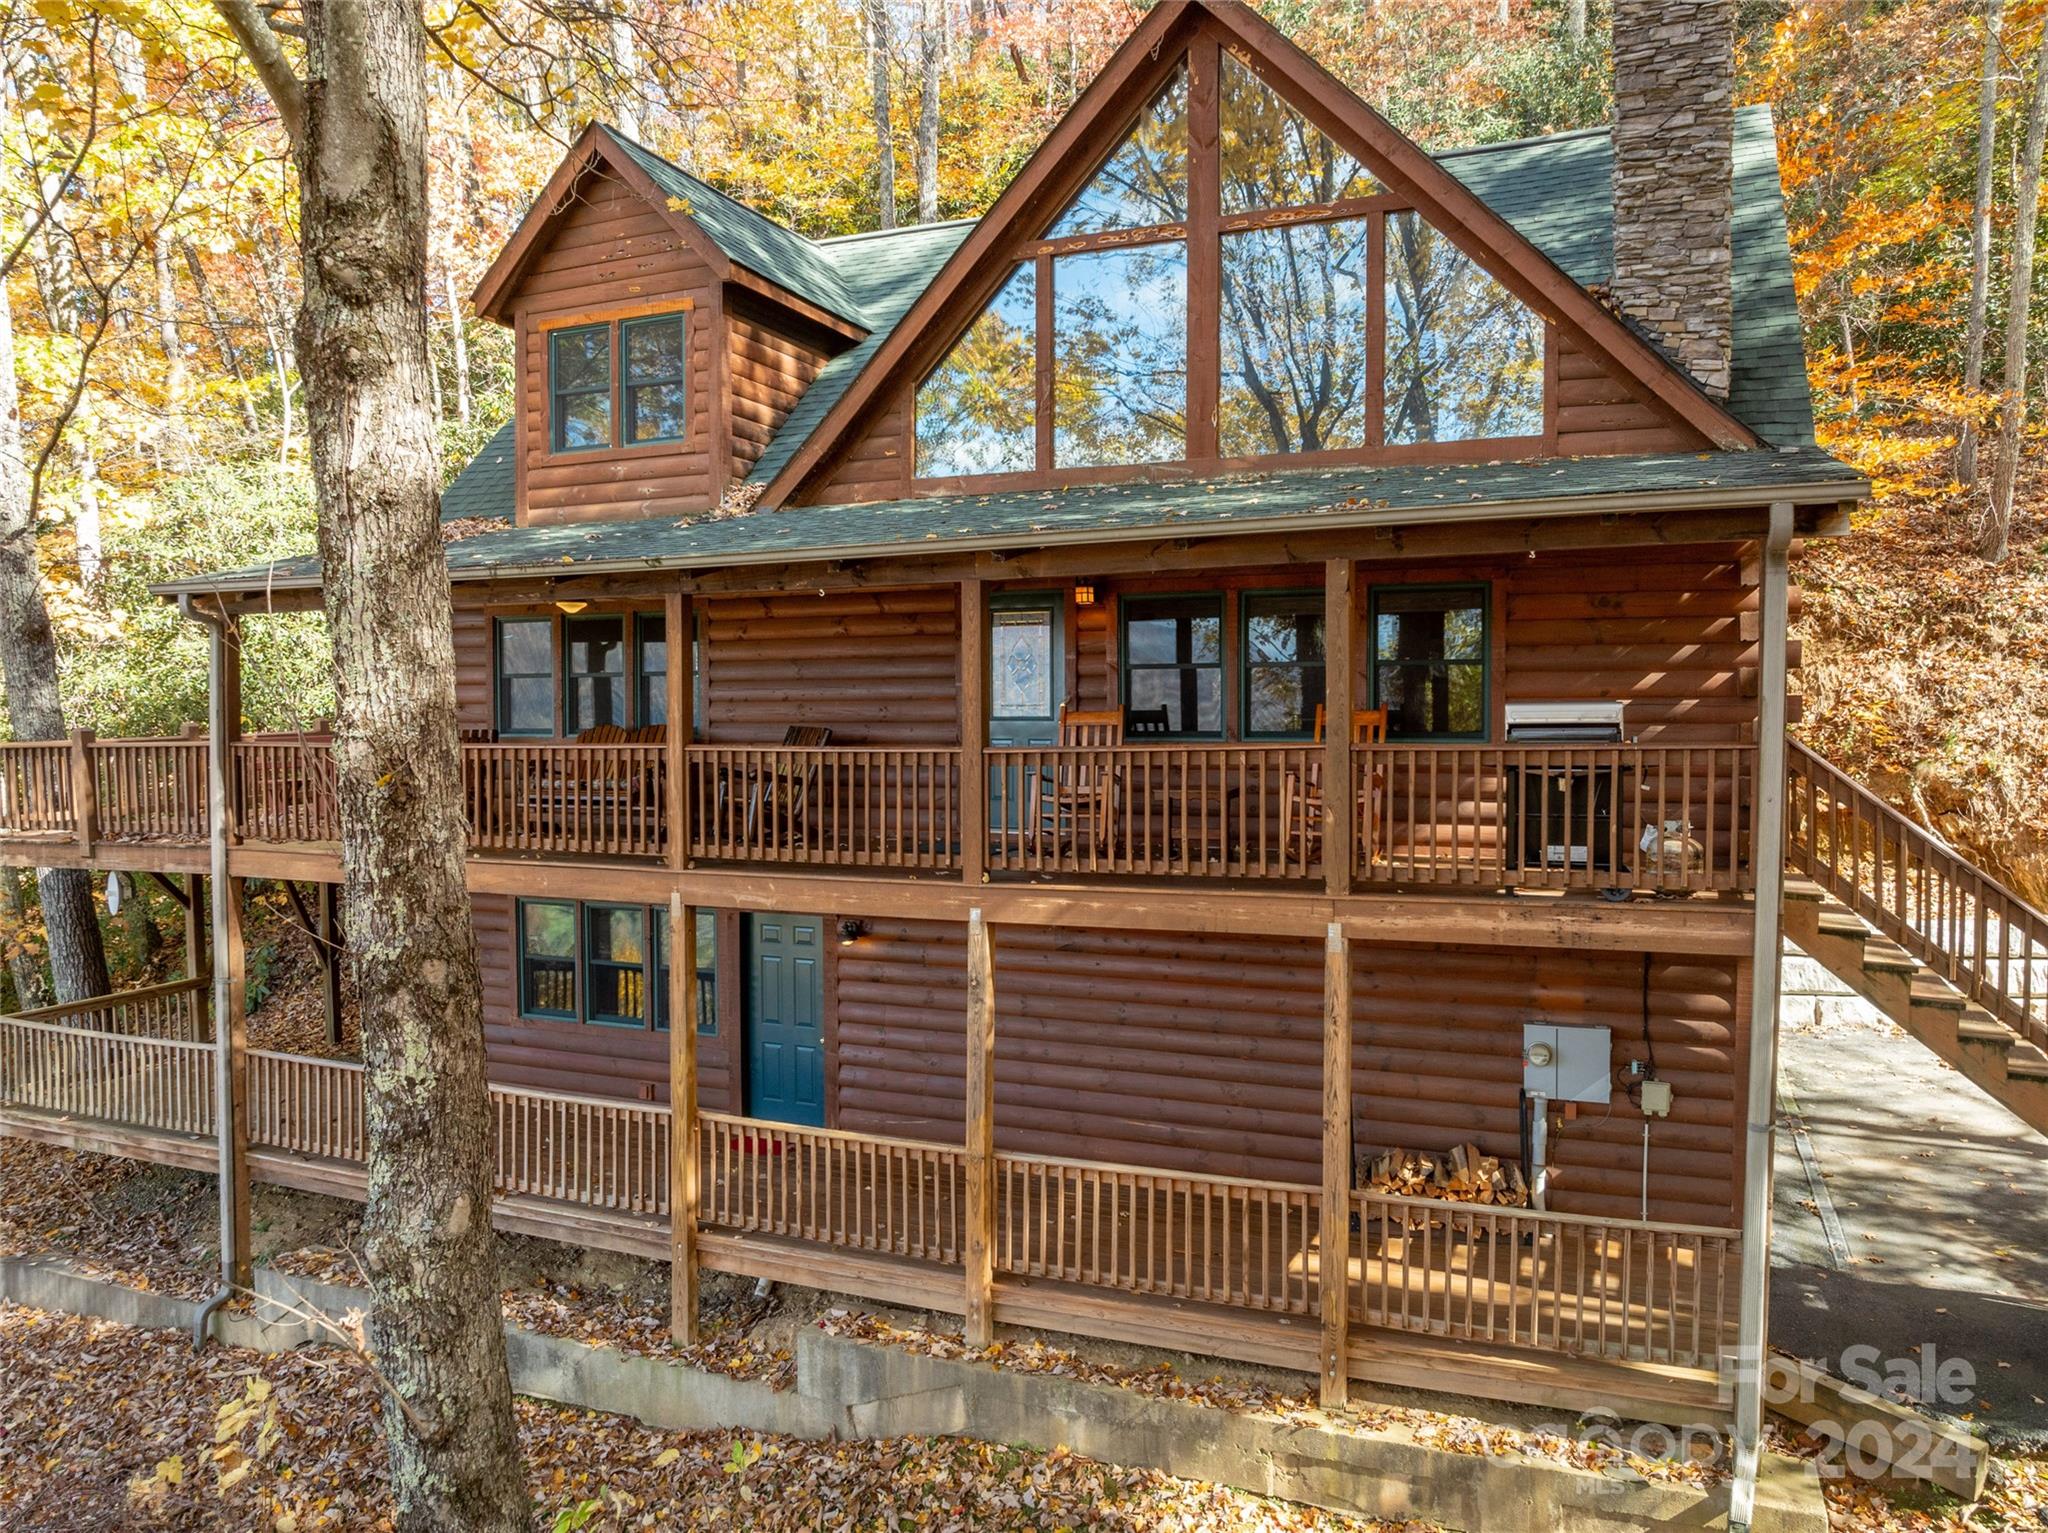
point(1937, 945)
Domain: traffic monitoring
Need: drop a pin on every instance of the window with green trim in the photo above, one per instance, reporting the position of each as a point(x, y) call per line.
point(650, 653)
point(652, 366)
point(1429, 660)
point(1283, 653)
point(1173, 664)
point(526, 676)
point(615, 964)
point(594, 662)
point(580, 388)
point(547, 959)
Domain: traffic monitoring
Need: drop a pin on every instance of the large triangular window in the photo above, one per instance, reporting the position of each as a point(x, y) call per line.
point(1145, 182)
point(1231, 283)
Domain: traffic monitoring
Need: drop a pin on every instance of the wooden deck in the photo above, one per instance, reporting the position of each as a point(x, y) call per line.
point(1542, 1307)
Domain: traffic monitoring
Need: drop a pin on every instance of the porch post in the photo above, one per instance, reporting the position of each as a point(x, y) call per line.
point(682, 1129)
point(979, 1243)
point(1340, 797)
point(85, 792)
point(1767, 858)
point(1334, 1273)
point(328, 941)
point(230, 978)
point(679, 623)
point(973, 733)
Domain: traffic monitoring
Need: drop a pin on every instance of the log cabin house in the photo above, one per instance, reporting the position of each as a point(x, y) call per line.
point(1012, 762)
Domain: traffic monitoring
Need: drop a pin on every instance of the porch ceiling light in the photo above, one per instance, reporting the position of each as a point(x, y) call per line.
point(572, 607)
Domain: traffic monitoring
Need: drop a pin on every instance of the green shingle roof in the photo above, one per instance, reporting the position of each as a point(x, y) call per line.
point(756, 242)
point(1558, 192)
point(1389, 495)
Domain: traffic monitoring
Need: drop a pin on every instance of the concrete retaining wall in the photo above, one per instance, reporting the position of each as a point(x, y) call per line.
point(847, 1388)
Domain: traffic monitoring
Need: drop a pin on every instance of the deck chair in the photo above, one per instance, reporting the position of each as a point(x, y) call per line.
point(1141, 722)
point(1301, 793)
point(607, 796)
point(781, 796)
point(1077, 800)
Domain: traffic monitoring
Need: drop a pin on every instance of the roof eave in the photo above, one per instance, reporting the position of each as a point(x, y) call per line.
point(1835, 491)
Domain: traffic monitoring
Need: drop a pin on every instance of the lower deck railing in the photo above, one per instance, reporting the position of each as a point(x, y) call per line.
point(1620, 1290)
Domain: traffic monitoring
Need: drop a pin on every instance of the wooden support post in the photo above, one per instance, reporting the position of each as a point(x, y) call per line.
point(973, 733)
point(979, 1241)
point(197, 916)
point(1334, 1273)
point(327, 940)
point(680, 626)
point(85, 792)
point(1340, 793)
point(682, 1128)
point(230, 968)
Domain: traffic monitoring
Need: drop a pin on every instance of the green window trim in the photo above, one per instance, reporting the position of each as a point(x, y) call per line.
point(581, 966)
point(650, 686)
point(624, 387)
point(1481, 595)
point(590, 627)
point(1293, 599)
point(633, 384)
point(614, 975)
point(1193, 604)
point(503, 705)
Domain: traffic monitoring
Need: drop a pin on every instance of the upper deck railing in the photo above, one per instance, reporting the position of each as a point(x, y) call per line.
point(1665, 818)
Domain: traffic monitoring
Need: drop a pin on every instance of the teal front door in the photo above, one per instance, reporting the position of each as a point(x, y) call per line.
point(785, 1018)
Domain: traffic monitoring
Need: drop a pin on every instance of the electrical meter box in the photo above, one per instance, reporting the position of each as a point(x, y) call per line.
point(1567, 1064)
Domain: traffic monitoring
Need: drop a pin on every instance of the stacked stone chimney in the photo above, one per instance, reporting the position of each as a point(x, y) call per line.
point(1674, 191)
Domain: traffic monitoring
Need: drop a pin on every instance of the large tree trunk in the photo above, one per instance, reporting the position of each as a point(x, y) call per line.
point(28, 660)
point(885, 140)
point(1980, 241)
point(1993, 540)
point(362, 353)
point(929, 51)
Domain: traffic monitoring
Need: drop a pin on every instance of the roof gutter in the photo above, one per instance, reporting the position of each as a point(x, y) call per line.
point(1703, 498)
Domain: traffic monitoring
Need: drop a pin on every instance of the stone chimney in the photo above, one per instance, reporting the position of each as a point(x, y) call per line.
point(1674, 185)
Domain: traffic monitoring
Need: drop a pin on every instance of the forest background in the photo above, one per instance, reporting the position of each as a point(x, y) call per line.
point(146, 222)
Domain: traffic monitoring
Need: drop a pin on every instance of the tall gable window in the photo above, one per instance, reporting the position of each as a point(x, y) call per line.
point(1464, 357)
point(977, 412)
point(619, 383)
point(1230, 283)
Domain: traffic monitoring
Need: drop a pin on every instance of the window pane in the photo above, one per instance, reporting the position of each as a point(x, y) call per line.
point(595, 644)
point(1430, 625)
point(1146, 180)
point(1282, 699)
point(977, 411)
point(653, 670)
point(1294, 337)
point(1153, 637)
point(526, 705)
point(596, 700)
point(1020, 665)
point(618, 934)
point(1434, 699)
point(653, 349)
point(1190, 695)
point(583, 359)
point(1283, 628)
point(1120, 356)
point(654, 412)
point(547, 928)
point(525, 647)
point(583, 420)
point(1464, 357)
point(1271, 156)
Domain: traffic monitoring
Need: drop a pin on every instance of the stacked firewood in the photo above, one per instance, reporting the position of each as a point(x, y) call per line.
point(1459, 1175)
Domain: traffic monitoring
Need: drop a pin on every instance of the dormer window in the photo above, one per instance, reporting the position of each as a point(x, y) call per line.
point(618, 383)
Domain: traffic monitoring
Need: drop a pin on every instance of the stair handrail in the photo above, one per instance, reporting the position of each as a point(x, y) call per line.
point(1958, 900)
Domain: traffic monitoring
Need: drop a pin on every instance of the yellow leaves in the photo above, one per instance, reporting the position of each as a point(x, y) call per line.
point(666, 1457)
point(680, 205)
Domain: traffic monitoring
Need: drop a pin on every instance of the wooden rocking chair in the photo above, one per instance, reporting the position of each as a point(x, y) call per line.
point(1301, 794)
point(781, 797)
point(1077, 801)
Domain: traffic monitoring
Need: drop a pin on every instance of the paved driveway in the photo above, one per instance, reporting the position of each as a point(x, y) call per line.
point(1941, 1199)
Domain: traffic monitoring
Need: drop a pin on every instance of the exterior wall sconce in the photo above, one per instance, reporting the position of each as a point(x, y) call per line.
point(851, 931)
point(1084, 596)
point(572, 607)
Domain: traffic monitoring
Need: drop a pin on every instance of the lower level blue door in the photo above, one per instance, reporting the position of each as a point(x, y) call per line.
point(785, 1018)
